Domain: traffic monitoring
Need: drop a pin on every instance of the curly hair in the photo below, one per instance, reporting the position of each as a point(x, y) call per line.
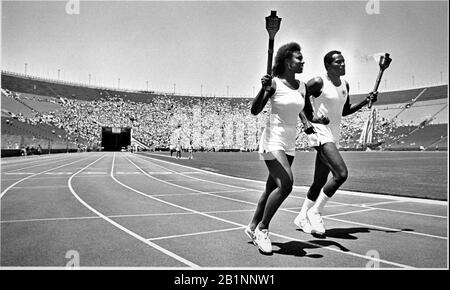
point(284, 52)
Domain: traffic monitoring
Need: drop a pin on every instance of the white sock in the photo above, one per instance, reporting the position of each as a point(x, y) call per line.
point(320, 202)
point(307, 204)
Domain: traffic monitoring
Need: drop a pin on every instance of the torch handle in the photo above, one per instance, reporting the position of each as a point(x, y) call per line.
point(269, 58)
point(377, 84)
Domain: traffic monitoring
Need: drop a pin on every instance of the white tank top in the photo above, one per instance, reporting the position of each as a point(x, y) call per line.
point(330, 103)
point(286, 104)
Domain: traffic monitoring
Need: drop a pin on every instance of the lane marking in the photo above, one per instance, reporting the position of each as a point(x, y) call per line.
point(17, 173)
point(335, 202)
point(122, 216)
point(40, 164)
point(199, 193)
point(363, 194)
point(387, 228)
point(241, 225)
point(351, 222)
point(32, 160)
point(348, 212)
point(30, 176)
point(119, 226)
point(195, 234)
point(40, 186)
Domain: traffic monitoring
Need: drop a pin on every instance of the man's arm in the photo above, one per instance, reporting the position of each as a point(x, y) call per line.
point(314, 89)
point(350, 109)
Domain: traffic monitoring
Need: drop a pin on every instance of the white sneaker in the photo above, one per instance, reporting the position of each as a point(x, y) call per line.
point(250, 233)
point(316, 221)
point(303, 223)
point(262, 240)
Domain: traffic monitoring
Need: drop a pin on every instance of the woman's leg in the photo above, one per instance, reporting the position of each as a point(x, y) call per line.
point(281, 173)
point(258, 215)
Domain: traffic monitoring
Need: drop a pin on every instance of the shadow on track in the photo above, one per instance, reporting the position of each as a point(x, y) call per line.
point(296, 248)
point(348, 233)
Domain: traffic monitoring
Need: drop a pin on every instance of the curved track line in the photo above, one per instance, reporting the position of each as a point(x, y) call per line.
point(28, 177)
point(31, 160)
point(40, 164)
point(117, 225)
point(364, 194)
point(237, 224)
point(392, 198)
point(365, 208)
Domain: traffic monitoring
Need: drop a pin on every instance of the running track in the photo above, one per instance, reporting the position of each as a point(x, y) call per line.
point(126, 210)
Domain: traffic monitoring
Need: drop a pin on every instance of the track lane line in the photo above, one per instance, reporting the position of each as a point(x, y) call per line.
point(30, 161)
point(365, 208)
point(30, 176)
point(346, 192)
point(196, 234)
point(121, 216)
point(241, 225)
point(117, 225)
point(161, 249)
point(40, 164)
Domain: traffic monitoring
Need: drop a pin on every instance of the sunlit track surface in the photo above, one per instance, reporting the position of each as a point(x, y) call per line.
point(127, 210)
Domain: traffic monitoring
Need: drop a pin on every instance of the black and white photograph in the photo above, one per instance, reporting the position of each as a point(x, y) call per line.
point(224, 142)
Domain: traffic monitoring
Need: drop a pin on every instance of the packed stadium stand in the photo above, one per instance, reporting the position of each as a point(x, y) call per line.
point(68, 116)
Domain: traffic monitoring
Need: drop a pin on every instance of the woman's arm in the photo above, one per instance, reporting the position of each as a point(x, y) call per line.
point(267, 90)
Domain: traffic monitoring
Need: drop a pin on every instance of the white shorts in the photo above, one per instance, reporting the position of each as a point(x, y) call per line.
point(277, 138)
point(323, 135)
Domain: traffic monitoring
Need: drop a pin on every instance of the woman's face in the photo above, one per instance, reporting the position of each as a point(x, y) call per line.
point(295, 63)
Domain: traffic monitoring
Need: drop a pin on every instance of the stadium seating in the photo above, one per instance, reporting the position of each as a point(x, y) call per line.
point(73, 113)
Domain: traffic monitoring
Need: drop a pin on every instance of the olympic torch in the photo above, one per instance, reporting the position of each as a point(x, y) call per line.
point(384, 63)
point(272, 26)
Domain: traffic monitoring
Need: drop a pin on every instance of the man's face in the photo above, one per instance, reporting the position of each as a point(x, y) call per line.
point(337, 66)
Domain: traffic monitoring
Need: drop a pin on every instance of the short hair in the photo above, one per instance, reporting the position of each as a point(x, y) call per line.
point(328, 58)
point(284, 52)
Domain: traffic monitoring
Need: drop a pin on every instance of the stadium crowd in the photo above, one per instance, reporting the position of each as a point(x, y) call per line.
point(205, 123)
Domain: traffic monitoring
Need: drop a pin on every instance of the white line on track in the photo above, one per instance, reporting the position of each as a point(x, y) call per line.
point(348, 212)
point(410, 212)
point(389, 229)
point(121, 216)
point(197, 193)
point(40, 164)
point(195, 234)
point(17, 173)
point(117, 225)
point(346, 192)
point(241, 225)
point(30, 161)
point(345, 221)
point(333, 202)
point(381, 203)
point(43, 177)
point(28, 177)
point(40, 187)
